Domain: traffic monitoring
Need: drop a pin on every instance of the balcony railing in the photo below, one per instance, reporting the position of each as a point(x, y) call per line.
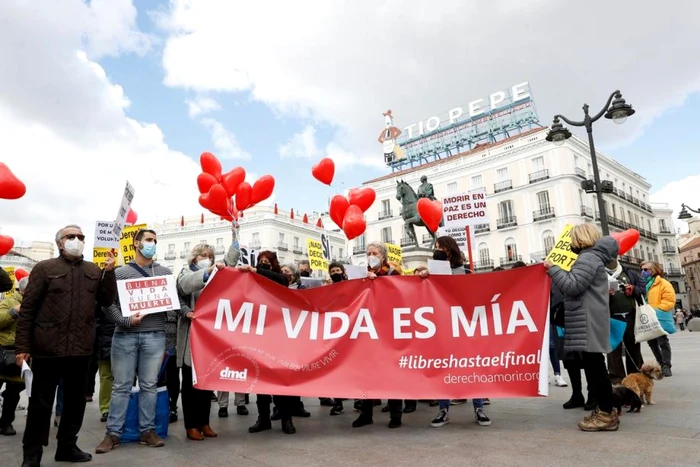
point(427, 238)
point(510, 260)
point(220, 250)
point(543, 214)
point(183, 254)
point(406, 241)
point(665, 230)
point(580, 172)
point(170, 256)
point(586, 212)
point(503, 186)
point(481, 228)
point(359, 249)
point(297, 249)
point(539, 176)
point(282, 246)
point(483, 265)
point(506, 222)
point(540, 255)
point(388, 240)
point(669, 250)
point(386, 215)
point(632, 260)
point(255, 245)
point(674, 271)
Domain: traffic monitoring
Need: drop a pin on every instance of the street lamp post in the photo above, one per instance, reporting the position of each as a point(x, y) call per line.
point(617, 110)
point(684, 215)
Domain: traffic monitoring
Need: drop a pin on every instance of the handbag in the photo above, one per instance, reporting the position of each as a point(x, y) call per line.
point(8, 363)
point(666, 320)
point(647, 326)
point(617, 332)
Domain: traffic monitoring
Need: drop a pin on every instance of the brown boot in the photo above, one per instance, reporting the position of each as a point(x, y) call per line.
point(108, 444)
point(208, 432)
point(602, 421)
point(152, 440)
point(194, 434)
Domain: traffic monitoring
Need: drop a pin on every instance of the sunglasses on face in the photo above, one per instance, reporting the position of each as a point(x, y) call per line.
point(74, 236)
point(646, 269)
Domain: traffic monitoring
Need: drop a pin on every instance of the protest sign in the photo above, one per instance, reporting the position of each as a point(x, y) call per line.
point(126, 242)
point(99, 257)
point(326, 245)
point(248, 256)
point(465, 209)
point(148, 295)
point(315, 253)
point(394, 253)
point(459, 235)
point(448, 337)
point(440, 268)
point(104, 235)
point(408, 272)
point(355, 272)
point(124, 206)
point(561, 255)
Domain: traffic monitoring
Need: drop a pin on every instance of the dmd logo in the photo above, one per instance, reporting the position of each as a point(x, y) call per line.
point(233, 375)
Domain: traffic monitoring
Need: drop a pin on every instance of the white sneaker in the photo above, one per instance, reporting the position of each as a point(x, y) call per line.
point(560, 382)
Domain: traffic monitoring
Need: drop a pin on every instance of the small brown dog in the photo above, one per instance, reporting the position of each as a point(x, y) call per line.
point(643, 383)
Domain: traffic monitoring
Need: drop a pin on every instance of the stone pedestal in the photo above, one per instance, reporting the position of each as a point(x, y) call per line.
point(413, 256)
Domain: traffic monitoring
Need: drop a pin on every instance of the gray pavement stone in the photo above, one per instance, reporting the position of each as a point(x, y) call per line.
point(524, 432)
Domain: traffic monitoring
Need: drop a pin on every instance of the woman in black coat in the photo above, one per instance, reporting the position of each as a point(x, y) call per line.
point(269, 267)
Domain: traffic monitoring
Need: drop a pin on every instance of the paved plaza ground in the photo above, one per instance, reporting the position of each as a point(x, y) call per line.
point(532, 432)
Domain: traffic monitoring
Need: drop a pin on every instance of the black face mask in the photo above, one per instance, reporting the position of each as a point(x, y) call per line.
point(439, 255)
point(576, 251)
point(305, 274)
point(264, 266)
point(337, 277)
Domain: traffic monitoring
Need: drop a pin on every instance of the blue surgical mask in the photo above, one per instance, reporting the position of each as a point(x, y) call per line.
point(148, 249)
point(646, 274)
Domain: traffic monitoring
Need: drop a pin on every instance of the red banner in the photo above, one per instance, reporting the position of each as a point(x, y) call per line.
point(445, 337)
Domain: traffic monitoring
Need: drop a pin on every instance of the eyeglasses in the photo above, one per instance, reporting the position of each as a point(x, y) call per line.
point(646, 269)
point(74, 236)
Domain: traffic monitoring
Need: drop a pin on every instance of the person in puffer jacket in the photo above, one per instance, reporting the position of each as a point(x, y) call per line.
point(587, 316)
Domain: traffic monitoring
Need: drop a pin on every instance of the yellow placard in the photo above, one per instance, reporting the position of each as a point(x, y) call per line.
point(315, 253)
point(561, 255)
point(408, 272)
point(126, 243)
point(394, 253)
point(99, 257)
point(10, 270)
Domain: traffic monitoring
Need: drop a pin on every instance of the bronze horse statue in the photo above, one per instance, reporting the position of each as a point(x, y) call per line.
point(409, 212)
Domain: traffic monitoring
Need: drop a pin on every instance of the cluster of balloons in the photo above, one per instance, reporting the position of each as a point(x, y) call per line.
point(348, 213)
point(11, 187)
point(219, 189)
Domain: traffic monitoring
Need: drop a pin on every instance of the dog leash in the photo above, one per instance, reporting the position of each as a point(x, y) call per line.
point(631, 359)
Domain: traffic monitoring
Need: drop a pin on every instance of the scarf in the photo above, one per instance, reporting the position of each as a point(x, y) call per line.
point(650, 283)
point(615, 273)
point(382, 271)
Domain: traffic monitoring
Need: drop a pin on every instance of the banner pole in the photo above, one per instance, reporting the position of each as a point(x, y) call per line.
point(469, 249)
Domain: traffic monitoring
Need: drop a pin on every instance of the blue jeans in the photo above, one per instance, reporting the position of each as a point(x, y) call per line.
point(132, 352)
point(553, 351)
point(59, 398)
point(444, 404)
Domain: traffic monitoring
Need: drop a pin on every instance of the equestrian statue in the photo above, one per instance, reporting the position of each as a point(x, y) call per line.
point(409, 212)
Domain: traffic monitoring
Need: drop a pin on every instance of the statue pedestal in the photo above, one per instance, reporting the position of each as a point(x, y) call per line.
point(413, 256)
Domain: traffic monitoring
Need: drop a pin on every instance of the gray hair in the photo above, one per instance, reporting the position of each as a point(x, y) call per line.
point(381, 246)
point(201, 249)
point(291, 267)
point(22, 284)
point(60, 231)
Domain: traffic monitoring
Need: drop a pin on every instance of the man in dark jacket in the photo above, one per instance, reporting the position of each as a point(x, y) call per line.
point(623, 300)
point(57, 329)
point(6, 282)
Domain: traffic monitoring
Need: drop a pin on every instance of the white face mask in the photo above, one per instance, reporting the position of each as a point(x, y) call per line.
point(73, 247)
point(204, 263)
point(374, 262)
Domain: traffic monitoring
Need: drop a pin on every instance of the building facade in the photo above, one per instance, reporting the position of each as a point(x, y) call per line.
point(690, 259)
point(670, 253)
point(261, 229)
point(533, 190)
point(26, 257)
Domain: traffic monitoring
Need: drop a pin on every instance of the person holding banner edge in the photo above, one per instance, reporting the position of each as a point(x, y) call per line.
point(446, 249)
point(587, 316)
point(196, 403)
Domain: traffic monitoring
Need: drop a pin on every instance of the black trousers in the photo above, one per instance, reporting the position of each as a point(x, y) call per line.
point(661, 348)
point(196, 403)
point(172, 381)
point(599, 385)
point(630, 350)
point(286, 405)
point(395, 408)
point(47, 371)
point(91, 377)
point(10, 401)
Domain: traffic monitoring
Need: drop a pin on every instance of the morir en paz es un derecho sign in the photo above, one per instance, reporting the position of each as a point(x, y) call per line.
point(466, 209)
point(148, 295)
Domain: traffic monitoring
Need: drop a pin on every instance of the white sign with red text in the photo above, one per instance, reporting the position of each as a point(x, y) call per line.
point(465, 209)
point(148, 295)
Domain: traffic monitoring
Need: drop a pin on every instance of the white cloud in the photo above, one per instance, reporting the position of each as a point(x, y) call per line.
point(676, 193)
point(302, 145)
point(224, 141)
point(346, 65)
point(201, 106)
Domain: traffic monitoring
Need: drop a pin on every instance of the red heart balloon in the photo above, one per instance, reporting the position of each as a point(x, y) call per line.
point(232, 179)
point(6, 244)
point(210, 164)
point(338, 208)
point(205, 181)
point(354, 223)
point(215, 200)
point(430, 212)
point(20, 274)
point(244, 195)
point(10, 186)
point(262, 188)
point(324, 170)
point(131, 217)
point(362, 197)
point(626, 239)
